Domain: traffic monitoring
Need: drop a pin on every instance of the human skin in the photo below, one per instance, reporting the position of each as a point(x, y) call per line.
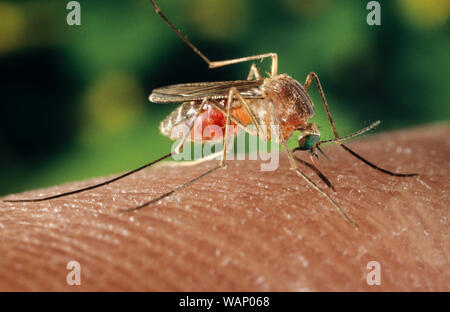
point(242, 229)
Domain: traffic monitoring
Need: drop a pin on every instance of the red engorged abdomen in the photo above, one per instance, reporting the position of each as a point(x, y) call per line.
point(210, 125)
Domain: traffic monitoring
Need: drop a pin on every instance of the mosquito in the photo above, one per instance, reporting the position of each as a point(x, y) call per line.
point(278, 100)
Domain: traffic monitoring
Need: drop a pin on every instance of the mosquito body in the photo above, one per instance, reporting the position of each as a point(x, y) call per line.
point(278, 100)
point(291, 101)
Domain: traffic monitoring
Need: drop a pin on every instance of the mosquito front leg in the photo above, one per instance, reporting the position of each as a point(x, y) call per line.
point(314, 76)
point(316, 171)
point(309, 78)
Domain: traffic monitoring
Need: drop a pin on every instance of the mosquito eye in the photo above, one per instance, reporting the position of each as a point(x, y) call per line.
point(307, 142)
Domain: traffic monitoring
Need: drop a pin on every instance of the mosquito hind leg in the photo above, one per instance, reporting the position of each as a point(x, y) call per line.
point(215, 64)
point(273, 56)
point(254, 73)
point(176, 189)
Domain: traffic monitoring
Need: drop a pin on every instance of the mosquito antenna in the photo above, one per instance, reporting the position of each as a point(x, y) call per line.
point(317, 171)
point(183, 37)
point(376, 167)
point(89, 187)
point(178, 188)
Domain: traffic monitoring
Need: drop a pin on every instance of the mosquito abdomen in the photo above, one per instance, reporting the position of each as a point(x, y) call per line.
point(209, 126)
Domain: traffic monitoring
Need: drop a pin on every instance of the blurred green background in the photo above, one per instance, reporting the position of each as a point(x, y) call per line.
point(74, 98)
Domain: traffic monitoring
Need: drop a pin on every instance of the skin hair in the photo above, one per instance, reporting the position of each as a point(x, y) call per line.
point(240, 229)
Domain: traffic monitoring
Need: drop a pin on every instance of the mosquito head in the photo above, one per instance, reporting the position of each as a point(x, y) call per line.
point(309, 137)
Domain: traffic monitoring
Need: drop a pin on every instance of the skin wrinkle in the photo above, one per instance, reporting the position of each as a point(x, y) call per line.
point(231, 242)
point(190, 239)
point(260, 231)
point(192, 254)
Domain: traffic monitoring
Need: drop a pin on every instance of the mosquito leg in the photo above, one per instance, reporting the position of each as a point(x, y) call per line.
point(235, 120)
point(314, 76)
point(231, 95)
point(178, 188)
point(273, 56)
point(182, 186)
point(91, 186)
point(177, 149)
point(227, 124)
point(248, 109)
point(254, 73)
point(219, 107)
point(301, 174)
point(232, 118)
point(195, 162)
point(215, 64)
point(316, 170)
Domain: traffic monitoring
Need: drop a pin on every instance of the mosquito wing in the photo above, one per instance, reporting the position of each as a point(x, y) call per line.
point(249, 89)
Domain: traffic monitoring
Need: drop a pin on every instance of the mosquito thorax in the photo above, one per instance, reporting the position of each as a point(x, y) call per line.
point(292, 103)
